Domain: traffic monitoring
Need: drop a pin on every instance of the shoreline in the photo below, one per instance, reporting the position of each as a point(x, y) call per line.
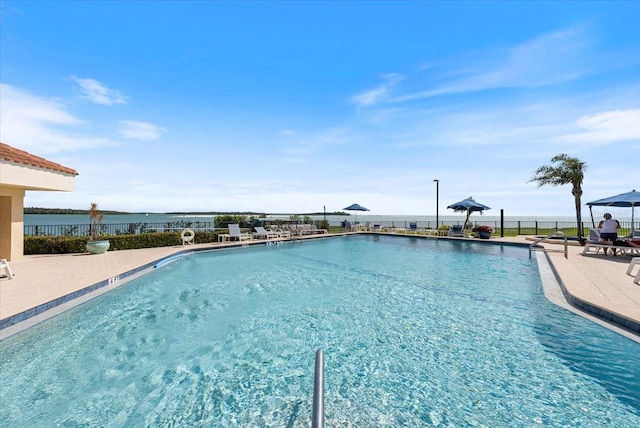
point(32, 219)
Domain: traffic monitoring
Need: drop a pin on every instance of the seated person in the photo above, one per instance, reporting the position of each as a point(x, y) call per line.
point(609, 231)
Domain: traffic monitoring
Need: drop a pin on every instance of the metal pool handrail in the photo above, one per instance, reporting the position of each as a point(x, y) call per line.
point(317, 419)
point(535, 247)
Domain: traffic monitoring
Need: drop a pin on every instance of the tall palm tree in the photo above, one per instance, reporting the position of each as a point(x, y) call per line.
point(565, 170)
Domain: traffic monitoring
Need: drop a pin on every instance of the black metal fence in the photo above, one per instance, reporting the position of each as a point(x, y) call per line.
point(117, 228)
point(516, 227)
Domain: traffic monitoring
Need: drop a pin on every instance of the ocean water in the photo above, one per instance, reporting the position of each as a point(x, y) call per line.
point(72, 219)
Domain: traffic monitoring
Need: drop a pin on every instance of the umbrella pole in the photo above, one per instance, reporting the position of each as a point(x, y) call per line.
point(467, 219)
point(593, 222)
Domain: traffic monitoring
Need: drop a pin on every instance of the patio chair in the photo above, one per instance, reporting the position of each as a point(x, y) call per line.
point(594, 235)
point(303, 229)
point(376, 227)
point(4, 266)
point(261, 232)
point(634, 261)
point(413, 227)
point(624, 247)
point(294, 230)
point(456, 231)
point(235, 232)
point(314, 229)
point(283, 231)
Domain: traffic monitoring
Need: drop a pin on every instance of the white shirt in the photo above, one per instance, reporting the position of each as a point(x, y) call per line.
point(609, 226)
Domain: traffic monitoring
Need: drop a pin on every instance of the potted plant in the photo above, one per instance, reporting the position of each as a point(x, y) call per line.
point(483, 231)
point(95, 245)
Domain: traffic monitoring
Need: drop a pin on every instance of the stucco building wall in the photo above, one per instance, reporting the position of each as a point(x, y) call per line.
point(20, 172)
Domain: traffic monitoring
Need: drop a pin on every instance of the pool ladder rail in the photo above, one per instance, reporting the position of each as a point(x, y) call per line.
point(534, 246)
point(317, 417)
point(296, 233)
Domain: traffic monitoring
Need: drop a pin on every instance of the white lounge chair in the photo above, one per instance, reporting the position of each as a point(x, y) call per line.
point(634, 261)
point(305, 229)
point(456, 231)
point(292, 229)
point(236, 233)
point(262, 233)
point(615, 249)
point(4, 266)
point(314, 229)
point(283, 231)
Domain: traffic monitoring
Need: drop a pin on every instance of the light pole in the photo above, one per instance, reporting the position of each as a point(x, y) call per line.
point(437, 200)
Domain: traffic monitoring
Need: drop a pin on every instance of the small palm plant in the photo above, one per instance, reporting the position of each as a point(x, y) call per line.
point(95, 222)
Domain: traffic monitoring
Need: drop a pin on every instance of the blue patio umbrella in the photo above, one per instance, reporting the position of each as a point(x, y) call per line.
point(468, 205)
point(629, 199)
point(356, 208)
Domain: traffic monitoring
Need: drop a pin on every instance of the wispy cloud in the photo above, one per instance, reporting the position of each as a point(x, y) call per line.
point(564, 123)
point(379, 93)
point(20, 104)
point(40, 124)
point(288, 132)
point(606, 127)
point(98, 93)
point(137, 130)
point(551, 58)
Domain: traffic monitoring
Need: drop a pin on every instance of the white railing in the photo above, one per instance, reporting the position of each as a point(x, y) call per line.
point(536, 247)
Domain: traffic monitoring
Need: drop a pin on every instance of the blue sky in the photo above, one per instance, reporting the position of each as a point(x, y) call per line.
point(294, 106)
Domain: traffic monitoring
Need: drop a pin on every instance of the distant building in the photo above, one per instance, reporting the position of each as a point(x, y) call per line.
point(21, 171)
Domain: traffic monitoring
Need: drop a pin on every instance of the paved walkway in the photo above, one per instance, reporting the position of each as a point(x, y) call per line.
point(595, 282)
point(599, 284)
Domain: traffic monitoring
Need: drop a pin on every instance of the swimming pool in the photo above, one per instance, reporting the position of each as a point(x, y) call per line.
point(415, 333)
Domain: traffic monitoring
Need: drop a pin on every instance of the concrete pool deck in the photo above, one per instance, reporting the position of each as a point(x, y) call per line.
point(595, 283)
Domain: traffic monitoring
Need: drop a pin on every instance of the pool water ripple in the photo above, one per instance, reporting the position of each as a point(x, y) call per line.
point(415, 333)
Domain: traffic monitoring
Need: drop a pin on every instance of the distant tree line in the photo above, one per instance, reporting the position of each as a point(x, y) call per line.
point(36, 210)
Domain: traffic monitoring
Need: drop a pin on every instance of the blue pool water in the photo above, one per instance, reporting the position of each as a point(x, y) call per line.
point(415, 333)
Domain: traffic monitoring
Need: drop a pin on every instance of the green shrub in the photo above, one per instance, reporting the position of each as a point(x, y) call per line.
point(322, 224)
point(77, 244)
point(144, 240)
point(223, 221)
point(54, 244)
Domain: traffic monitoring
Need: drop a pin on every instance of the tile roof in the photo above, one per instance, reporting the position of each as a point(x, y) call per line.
point(11, 154)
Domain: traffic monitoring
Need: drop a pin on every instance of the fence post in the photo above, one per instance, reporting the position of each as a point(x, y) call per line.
point(536, 227)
